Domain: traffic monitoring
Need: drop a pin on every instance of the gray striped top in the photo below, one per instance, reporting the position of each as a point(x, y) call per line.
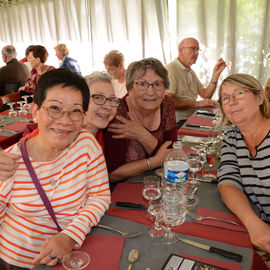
point(251, 175)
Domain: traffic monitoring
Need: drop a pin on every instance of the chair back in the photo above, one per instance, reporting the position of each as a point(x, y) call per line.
point(13, 97)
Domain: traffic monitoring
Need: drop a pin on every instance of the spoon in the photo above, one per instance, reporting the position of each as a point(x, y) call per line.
point(132, 257)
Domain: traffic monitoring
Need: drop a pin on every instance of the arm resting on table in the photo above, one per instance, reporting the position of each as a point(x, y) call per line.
point(238, 203)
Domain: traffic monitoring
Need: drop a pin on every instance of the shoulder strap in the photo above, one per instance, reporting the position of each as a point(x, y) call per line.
point(37, 184)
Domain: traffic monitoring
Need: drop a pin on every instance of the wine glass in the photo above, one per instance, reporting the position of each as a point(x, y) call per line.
point(195, 165)
point(170, 216)
point(27, 106)
point(157, 230)
point(151, 190)
point(195, 162)
point(211, 156)
point(76, 260)
point(22, 112)
point(12, 112)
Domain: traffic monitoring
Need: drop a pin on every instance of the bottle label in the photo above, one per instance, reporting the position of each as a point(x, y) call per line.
point(176, 176)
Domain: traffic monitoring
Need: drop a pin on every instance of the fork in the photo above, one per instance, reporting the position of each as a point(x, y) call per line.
point(200, 218)
point(124, 234)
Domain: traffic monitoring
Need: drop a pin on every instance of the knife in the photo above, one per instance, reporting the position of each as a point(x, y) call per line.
point(197, 126)
point(216, 250)
point(131, 205)
point(206, 113)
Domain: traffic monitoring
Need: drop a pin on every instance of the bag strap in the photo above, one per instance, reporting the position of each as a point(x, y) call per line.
point(37, 184)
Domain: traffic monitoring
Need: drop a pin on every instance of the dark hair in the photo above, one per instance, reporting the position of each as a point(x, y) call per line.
point(39, 51)
point(63, 77)
point(138, 69)
point(28, 49)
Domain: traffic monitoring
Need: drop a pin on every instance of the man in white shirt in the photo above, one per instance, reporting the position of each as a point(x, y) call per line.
point(185, 85)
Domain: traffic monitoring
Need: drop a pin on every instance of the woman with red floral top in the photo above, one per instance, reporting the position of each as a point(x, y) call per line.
point(144, 127)
point(37, 56)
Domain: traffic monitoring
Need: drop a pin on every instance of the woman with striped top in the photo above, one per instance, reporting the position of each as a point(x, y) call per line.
point(70, 166)
point(244, 172)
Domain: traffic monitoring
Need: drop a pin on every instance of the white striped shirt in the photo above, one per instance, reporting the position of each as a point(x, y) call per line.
point(249, 174)
point(76, 183)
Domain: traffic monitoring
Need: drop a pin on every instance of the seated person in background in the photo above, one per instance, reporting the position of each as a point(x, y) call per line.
point(67, 175)
point(101, 110)
point(138, 139)
point(114, 64)
point(61, 51)
point(37, 56)
point(185, 85)
point(24, 60)
point(244, 169)
point(14, 74)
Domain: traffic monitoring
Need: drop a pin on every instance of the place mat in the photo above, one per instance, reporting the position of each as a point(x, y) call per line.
point(195, 120)
point(104, 250)
point(17, 126)
point(122, 193)
point(226, 265)
point(192, 132)
point(212, 213)
point(132, 193)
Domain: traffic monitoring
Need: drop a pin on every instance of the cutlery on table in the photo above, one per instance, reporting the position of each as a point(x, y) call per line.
point(131, 205)
point(124, 234)
point(198, 126)
point(222, 252)
point(200, 218)
point(133, 256)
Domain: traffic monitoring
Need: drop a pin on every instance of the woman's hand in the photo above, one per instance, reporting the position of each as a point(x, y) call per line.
point(8, 164)
point(55, 247)
point(259, 233)
point(127, 129)
point(157, 160)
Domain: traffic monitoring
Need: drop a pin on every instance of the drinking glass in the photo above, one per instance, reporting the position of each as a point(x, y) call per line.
point(170, 215)
point(22, 112)
point(151, 190)
point(211, 156)
point(195, 165)
point(157, 230)
point(12, 112)
point(76, 260)
point(27, 106)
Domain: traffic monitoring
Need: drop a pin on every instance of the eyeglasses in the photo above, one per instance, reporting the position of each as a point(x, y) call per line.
point(101, 99)
point(194, 49)
point(56, 112)
point(144, 85)
point(237, 95)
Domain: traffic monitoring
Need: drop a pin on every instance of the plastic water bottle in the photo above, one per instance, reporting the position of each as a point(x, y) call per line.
point(175, 178)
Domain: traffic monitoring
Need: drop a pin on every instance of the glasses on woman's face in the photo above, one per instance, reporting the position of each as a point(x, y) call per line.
point(144, 85)
point(101, 99)
point(56, 112)
point(237, 95)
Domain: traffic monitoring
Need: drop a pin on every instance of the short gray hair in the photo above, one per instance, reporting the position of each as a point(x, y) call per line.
point(98, 76)
point(9, 51)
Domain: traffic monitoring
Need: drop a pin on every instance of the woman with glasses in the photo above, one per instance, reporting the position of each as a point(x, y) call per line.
point(101, 110)
point(76, 184)
point(244, 172)
point(138, 139)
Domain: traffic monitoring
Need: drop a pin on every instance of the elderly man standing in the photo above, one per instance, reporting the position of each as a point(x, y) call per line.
point(14, 74)
point(185, 85)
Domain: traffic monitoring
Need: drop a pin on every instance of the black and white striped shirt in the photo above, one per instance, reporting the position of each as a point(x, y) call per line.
point(249, 174)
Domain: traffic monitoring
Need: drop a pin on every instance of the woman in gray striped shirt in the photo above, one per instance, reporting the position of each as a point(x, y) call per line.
point(244, 172)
